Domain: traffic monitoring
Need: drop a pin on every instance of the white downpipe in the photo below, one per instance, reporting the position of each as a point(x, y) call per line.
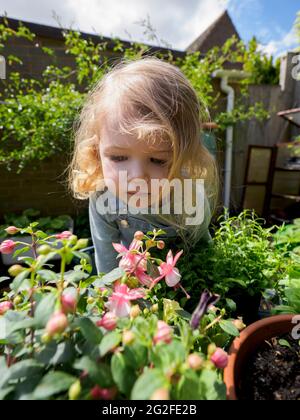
point(225, 75)
point(229, 142)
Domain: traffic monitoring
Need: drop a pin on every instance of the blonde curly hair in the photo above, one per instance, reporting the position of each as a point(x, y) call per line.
point(151, 99)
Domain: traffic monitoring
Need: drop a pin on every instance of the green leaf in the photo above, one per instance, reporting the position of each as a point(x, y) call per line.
point(229, 328)
point(147, 383)
point(167, 356)
point(89, 330)
point(284, 343)
point(80, 255)
point(48, 275)
point(136, 355)
point(76, 276)
point(211, 386)
point(45, 309)
point(21, 370)
point(238, 281)
point(109, 278)
point(123, 375)
point(53, 383)
point(231, 304)
point(55, 354)
point(109, 342)
point(188, 387)
point(21, 251)
point(4, 392)
point(99, 372)
point(19, 279)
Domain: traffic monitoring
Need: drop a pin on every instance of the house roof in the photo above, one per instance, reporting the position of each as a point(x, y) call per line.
point(215, 35)
point(53, 32)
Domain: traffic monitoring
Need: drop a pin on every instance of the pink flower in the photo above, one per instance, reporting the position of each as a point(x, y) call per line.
point(7, 247)
point(119, 301)
point(57, 324)
point(220, 358)
point(68, 303)
point(134, 262)
point(12, 230)
point(98, 393)
point(64, 235)
point(5, 306)
point(163, 334)
point(169, 271)
point(138, 235)
point(108, 321)
point(130, 257)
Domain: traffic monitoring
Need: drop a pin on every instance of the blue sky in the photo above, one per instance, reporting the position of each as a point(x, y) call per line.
point(176, 22)
point(270, 20)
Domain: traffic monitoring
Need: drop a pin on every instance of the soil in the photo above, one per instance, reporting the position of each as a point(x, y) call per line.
point(273, 373)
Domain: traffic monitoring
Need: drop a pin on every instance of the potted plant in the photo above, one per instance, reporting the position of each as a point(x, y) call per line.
point(263, 361)
point(48, 224)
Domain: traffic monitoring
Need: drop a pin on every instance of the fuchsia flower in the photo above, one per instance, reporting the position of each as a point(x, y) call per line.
point(220, 358)
point(163, 334)
point(108, 321)
point(68, 303)
point(7, 246)
point(134, 262)
point(64, 235)
point(5, 306)
point(98, 393)
point(12, 230)
point(169, 271)
point(119, 301)
point(57, 324)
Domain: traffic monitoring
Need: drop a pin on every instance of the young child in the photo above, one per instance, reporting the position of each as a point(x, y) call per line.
point(141, 122)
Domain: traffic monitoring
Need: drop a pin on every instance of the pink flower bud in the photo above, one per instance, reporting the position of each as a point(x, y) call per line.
point(160, 244)
point(127, 338)
point(138, 236)
point(12, 230)
point(108, 321)
point(163, 334)
point(68, 303)
point(57, 324)
point(98, 393)
point(238, 323)
point(5, 306)
point(64, 235)
point(7, 247)
point(160, 394)
point(220, 358)
point(135, 311)
point(195, 361)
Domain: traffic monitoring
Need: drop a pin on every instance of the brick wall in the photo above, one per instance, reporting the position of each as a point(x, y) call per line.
point(43, 188)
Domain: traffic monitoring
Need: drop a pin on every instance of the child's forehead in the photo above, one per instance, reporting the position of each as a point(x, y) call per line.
point(113, 138)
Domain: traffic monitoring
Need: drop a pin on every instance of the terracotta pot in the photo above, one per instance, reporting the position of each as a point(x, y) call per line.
point(249, 341)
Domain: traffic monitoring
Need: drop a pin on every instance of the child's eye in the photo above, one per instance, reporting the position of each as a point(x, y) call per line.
point(158, 161)
point(118, 158)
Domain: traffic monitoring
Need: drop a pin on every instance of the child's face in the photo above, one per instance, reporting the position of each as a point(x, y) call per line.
point(140, 159)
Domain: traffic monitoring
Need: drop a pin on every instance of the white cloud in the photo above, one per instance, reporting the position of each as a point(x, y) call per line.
point(278, 47)
point(177, 22)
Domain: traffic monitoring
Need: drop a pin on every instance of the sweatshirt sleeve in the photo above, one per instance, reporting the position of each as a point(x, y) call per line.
point(103, 232)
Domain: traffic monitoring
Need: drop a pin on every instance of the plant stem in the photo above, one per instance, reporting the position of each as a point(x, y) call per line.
point(215, 321)
point(62, 272)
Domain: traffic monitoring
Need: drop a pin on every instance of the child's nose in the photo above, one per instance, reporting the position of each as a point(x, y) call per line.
point(137, 170)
